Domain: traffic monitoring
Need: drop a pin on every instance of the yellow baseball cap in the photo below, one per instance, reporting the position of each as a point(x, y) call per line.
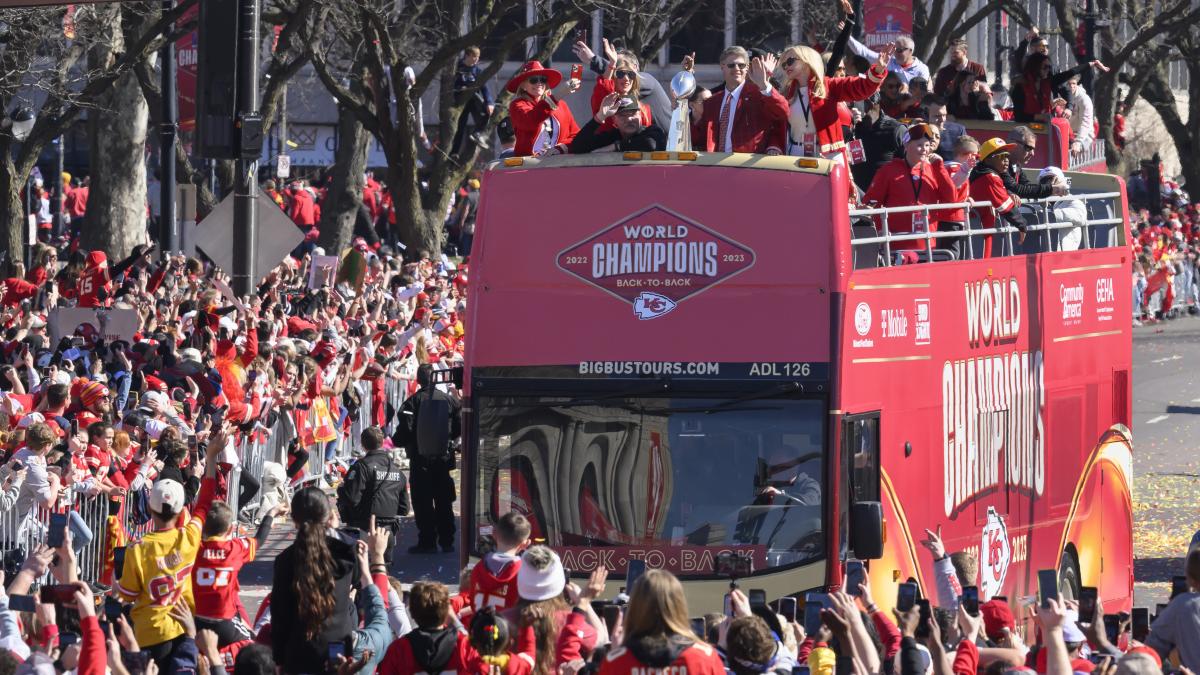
point(994, 145)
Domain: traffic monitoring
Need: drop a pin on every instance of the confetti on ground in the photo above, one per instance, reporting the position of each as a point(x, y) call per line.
point(1164, 514)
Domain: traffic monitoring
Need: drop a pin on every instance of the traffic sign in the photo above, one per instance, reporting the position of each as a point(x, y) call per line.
point(276, 237)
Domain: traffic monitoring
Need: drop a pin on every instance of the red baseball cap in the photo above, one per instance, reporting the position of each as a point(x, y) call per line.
point(997, 616)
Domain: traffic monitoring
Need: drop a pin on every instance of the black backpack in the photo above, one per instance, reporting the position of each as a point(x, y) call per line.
point(433, 425)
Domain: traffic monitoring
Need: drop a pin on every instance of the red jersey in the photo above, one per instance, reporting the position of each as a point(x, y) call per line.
point(400, 659)
point(97, 460)
point(93, 280)
point(494, 590)
point(215, 575)
point(699, 659)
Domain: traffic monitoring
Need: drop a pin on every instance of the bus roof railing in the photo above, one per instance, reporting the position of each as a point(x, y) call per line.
point(1092, 154)
point(1046, 223)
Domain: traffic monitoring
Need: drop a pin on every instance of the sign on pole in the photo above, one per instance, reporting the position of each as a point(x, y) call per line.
point(277, 236)
point(283, 166)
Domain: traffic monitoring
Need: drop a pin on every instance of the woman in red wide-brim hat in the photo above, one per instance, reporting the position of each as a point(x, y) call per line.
point(540, 121)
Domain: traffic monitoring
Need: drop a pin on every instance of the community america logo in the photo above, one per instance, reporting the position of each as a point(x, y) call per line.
point(654, 260)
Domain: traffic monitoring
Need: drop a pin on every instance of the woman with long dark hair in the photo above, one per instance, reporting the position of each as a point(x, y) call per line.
point(1033, 92)
point(310, 593)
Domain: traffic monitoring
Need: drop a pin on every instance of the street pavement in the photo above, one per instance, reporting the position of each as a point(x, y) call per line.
point(1166, 465)
point(1166, 461)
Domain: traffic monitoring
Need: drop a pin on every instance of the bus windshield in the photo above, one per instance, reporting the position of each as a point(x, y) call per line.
point(672, 479)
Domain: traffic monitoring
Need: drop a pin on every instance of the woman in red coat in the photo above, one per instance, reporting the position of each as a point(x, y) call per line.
point(540, 122)
point(813, 98)
point(622, 78)
point(911, 180)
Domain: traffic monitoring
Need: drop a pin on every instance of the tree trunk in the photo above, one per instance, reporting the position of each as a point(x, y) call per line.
point(116, 214)
point(1184, 134)
point(12, 211)
point(342, 202)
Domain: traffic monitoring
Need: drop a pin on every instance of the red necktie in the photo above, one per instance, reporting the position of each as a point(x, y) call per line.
point(724, 122)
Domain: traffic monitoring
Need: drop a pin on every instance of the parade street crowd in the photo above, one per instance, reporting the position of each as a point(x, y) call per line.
point(152, 423)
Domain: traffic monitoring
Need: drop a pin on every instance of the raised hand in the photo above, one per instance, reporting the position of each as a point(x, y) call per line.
point(758, 73)
point(583, 52)
point(689, 62)
point(770, 61)
point(610, 52)
point(1099, 66)
point(886, 53)
point(933, 542)
point(596, 582)
point(608, 107)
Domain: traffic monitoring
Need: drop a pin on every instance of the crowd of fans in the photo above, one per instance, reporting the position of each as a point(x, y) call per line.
point(150, 420)
point(334, 608)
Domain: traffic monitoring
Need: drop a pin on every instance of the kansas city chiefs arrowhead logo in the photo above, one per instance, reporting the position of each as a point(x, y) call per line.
point(655, 259)
point(652, 305)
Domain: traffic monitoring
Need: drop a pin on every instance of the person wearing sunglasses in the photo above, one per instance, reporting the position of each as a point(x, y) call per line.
point(541, 122)
point(906, 65)
point(621, 77)
point(813, 101)
point(743, 117)
point(1024, 142)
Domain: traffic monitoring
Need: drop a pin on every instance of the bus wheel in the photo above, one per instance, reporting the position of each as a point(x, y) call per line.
point(1068, 575)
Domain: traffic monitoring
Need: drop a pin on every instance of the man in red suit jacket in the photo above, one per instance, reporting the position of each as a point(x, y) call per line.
point(755, 113)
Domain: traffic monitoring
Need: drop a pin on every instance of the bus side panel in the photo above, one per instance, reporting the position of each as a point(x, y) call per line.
point(1003, 386)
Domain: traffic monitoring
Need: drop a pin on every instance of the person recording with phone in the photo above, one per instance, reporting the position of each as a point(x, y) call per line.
point(541, 121)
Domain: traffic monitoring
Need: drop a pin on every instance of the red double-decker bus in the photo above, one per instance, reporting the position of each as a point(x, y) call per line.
point(682, 355)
